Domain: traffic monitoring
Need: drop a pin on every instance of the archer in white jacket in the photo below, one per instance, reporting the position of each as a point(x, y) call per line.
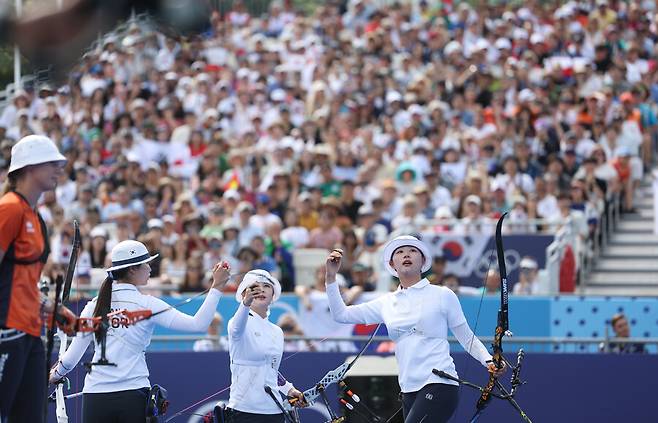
point(417, 316)
point(255, 348)
point(119, 392)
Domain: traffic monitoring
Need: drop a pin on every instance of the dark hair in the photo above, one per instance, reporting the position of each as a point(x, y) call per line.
point(12, 179)
point(617, 317)
point(104, 299)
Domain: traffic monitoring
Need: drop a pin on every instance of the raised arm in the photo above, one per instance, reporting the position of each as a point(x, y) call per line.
point(367, 313)
point(174, 319)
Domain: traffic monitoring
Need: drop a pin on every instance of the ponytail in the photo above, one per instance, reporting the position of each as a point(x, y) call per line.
point(103, 303)
point(10, 182)
point(104, 299)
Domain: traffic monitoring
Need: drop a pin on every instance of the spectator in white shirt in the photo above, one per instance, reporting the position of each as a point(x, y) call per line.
point(215, 341)
point(419, 346)
point(528, 283)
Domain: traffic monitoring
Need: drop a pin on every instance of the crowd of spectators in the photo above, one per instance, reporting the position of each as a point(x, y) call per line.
point(347, 126)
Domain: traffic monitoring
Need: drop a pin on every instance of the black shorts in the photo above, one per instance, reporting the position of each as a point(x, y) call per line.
point(434, 403)
point(22, 377)
point(235, 416)
point(121, 406)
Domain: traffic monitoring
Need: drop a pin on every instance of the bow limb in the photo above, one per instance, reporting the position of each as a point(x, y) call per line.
point(60, 404)
point(502, 326)
point(334, 376)
point(60, 408)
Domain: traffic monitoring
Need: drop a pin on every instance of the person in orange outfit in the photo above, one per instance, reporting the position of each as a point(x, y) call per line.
point(36, 165)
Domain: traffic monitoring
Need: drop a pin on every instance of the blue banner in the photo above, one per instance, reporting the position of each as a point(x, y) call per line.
point(469, 257)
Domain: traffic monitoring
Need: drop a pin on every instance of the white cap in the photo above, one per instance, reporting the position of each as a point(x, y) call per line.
point(278, 95)
point(416, 109)
point(443, 212)
point(452, 47)
point(155, 223)
point(526, 94)
point(528, 263)
point(393, 96)
point(404, 241)
point(33, 150)
point(258, 276)
point(503, 44)
point(536, 38)
point(129, 253)
point(98, 231)
point(137, 103)
point(232, 194)
point(473, 199)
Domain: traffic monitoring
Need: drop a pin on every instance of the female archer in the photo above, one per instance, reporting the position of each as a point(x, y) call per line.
point(255, 348)
point(417, 316)
point(118, 392)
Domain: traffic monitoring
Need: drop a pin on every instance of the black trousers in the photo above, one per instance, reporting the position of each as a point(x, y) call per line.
point(235, 416)
point(115, 407)
point(22, 377)
point(434, 403)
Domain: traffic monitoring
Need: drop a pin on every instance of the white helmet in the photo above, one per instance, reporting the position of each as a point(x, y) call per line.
point(129, 253)
point(255, 276)
point(33, 150)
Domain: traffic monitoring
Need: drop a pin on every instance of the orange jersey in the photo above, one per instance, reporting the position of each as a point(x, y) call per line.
point(23, 242)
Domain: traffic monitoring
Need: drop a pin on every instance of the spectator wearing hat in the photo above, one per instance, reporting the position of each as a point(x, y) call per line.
point(391, 201)
point(214, 221)
point(406, 177)
point(498, 198)
point(22, 126)
point(215, 250)
point(231, 239)
point(98, 247)
point(423, 201)
point(528, 283)
point(410, 220)
point(263, 261)
point(472, 221)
